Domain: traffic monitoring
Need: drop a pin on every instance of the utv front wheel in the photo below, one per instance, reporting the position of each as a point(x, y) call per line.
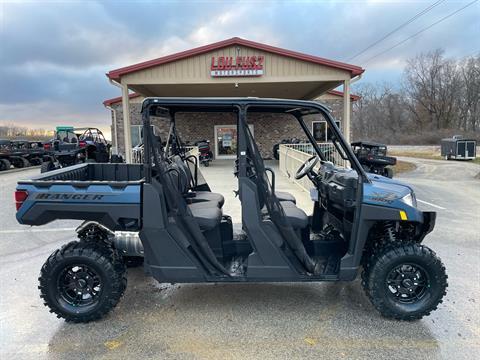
point(47, 166)
point(82, 281)
point(405, 282)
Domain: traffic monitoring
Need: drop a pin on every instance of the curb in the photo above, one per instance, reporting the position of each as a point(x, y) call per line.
point(11, 171)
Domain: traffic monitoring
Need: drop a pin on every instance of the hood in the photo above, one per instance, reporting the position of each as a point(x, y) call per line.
point(384, 191)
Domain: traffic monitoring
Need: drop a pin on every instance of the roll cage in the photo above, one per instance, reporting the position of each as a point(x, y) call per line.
point(297, 108)
point(254, 185)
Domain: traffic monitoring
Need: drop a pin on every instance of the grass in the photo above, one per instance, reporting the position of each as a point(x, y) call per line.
point(425, 155)
point(417, 154)
point(403, 167)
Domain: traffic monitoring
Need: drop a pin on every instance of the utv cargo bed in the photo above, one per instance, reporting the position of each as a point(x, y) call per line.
point(109, 193)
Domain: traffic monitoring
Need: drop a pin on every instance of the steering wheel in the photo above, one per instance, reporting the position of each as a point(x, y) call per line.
point(306, 167)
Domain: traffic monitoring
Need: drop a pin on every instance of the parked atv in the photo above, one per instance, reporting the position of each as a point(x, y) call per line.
point(33, 151)
point(5, 153)
point(361, 223)
point(72, 146)
point(13, 152)
point(373, 157)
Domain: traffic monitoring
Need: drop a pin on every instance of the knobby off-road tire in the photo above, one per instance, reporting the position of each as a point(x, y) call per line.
point(21, 163)
point(389, 173)
point(47, 166)
point(5, 165)
point(405, 281)
point(82, 281)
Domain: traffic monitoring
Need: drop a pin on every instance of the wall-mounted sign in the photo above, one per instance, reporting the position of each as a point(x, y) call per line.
point(225, 66)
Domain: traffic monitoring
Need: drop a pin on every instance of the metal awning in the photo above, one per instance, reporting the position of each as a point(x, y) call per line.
point(234, 68)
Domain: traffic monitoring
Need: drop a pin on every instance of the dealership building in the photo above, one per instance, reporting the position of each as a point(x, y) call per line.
point(231, 68)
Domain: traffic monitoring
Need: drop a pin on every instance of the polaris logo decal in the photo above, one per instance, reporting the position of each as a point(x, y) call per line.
point(60, 196)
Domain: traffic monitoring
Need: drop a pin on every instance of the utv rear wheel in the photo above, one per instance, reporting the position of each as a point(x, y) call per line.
point(82, 281)
point(405, 282)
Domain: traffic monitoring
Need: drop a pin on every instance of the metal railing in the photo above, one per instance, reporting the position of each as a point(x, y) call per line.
point(137, 153)
point(292, 156)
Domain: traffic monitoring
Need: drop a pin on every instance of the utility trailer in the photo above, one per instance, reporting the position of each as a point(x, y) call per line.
point(458, 148)
point(360, 222)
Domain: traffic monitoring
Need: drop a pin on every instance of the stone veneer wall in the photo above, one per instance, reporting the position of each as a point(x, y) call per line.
point(268, 129)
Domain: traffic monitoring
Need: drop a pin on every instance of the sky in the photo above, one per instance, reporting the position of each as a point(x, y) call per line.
point(54, 54)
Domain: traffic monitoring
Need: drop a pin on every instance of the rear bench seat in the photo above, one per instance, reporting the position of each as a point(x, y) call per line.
point(185, 184)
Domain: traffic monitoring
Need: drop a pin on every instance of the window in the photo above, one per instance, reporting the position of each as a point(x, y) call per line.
point(320, 131)
point(136, 134)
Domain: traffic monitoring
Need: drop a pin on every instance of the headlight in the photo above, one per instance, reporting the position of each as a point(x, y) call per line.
point(410, 200)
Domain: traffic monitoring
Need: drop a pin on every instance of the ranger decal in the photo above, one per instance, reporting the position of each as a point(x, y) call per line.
point(59, 196)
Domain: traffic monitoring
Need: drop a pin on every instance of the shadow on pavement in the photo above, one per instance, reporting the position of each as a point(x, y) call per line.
point(268, 320)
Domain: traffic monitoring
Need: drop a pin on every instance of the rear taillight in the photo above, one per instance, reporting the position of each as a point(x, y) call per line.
point(47, 146)
point(20, 197)
point(82, 144)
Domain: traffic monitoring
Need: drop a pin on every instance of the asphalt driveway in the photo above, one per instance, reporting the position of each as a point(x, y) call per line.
point(256, 321)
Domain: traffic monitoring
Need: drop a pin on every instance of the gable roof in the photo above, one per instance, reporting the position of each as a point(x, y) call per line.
point(118, 99)
point(353, 97)
point(118, 73)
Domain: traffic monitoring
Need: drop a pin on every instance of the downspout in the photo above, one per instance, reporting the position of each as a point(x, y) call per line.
point(114, 115)
point(347, 107)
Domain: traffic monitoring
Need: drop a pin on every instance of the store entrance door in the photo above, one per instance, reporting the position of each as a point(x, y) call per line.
point(226, 141)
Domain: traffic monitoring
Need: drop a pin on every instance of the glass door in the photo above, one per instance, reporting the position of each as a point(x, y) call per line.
point(226, 141)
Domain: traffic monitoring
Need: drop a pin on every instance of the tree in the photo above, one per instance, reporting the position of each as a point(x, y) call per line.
point(469, 100)
point(439, 97)
point(432, 85)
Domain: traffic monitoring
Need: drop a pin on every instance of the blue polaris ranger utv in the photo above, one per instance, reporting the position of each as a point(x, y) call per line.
point(163, 212)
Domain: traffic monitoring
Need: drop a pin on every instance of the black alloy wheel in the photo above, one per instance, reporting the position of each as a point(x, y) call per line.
point(79, 286)
point(407, 283)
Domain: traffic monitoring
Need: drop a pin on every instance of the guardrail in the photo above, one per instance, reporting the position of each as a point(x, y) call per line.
point(292, 156)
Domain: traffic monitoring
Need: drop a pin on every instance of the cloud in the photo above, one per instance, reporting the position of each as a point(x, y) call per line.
point(53, 55)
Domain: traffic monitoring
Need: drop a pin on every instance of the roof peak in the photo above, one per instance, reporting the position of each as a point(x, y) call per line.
point(118, 73)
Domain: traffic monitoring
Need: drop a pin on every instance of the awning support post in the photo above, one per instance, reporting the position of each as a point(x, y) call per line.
point(346, 110)
point(126, 124)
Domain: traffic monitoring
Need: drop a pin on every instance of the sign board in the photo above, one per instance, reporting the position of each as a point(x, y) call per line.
point(227, 140)
point(228, 66)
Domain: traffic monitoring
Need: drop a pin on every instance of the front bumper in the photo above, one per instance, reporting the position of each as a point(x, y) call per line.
point(429, 218)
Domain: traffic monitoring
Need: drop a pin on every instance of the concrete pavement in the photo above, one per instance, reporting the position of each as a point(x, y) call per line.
point(256, 321)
